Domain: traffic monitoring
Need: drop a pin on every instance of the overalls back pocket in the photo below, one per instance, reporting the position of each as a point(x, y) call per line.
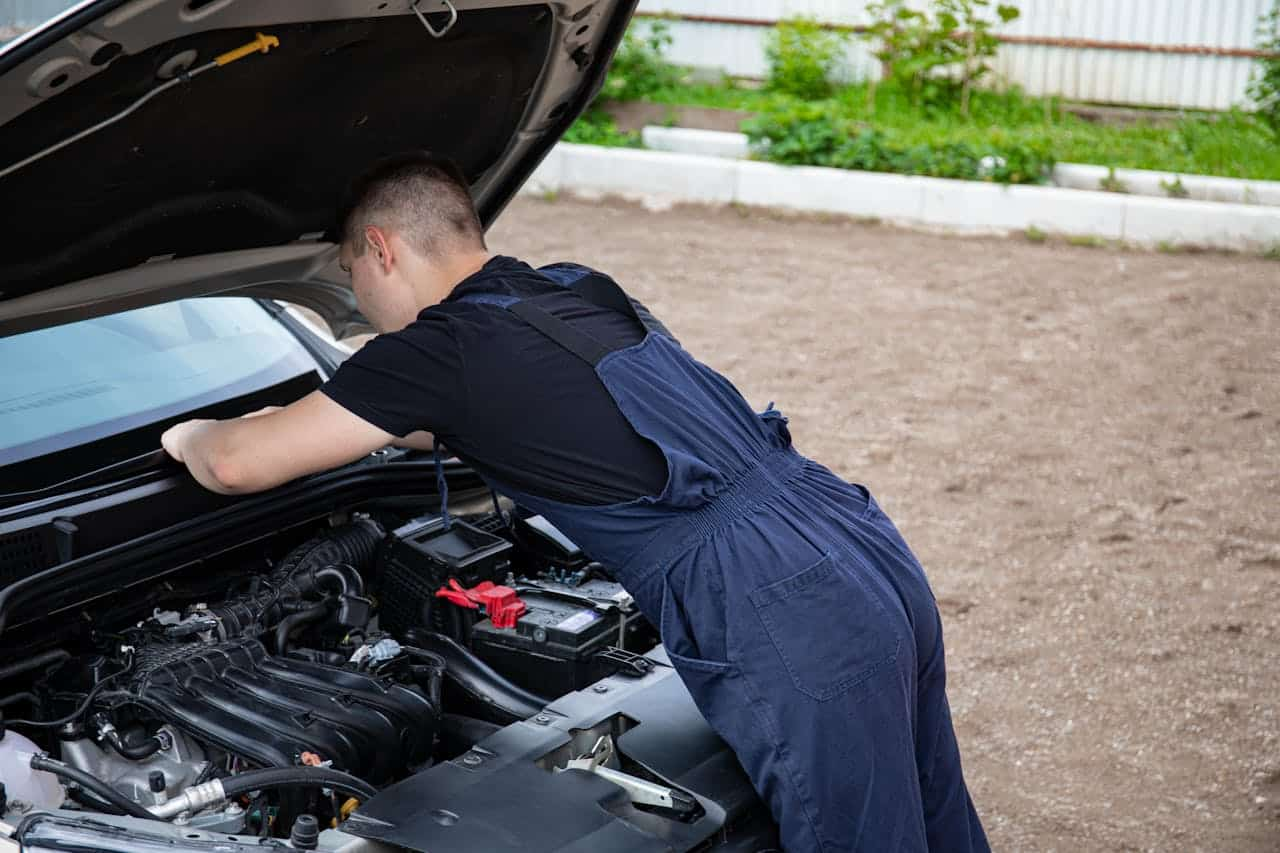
point(830, 626)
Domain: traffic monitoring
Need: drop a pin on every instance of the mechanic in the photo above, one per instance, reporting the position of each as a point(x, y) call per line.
point(796, 615)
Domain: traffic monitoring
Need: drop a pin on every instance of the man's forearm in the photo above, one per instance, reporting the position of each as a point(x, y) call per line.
point(273, 446)
point(209, 455)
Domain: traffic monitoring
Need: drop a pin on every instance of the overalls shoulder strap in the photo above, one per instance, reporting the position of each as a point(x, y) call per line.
point(594, 287)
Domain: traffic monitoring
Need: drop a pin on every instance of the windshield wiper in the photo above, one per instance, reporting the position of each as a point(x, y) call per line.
point(143, 462)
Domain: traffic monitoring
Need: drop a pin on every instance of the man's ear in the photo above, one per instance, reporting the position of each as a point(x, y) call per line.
point(377, 242)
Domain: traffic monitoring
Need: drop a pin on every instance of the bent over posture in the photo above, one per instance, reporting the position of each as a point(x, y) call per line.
point(801, 623)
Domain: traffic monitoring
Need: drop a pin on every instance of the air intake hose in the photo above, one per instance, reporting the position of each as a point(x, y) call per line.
point(506, 702)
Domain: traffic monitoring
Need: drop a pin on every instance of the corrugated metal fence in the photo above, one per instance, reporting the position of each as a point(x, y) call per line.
point(1168, 53)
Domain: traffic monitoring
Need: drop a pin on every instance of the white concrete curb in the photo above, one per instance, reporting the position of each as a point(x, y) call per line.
point(660, 179)
point(688, 140)
point(1144, 182)
point(1076, 176)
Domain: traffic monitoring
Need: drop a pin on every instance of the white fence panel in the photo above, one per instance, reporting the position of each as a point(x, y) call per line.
point(1169, 53)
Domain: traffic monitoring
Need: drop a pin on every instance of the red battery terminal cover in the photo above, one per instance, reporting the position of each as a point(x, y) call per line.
point(501, 603)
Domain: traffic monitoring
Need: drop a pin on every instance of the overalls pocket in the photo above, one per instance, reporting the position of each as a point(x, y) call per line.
point(829, 625)
point(679, 639)
point(716, 686)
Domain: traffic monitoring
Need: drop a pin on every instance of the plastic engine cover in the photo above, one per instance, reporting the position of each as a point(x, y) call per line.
point(271, 710)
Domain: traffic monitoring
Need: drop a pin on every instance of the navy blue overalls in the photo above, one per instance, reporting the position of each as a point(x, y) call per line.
point(790, 605)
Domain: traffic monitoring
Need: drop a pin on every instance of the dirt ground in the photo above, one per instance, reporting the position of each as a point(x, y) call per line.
point(1083, 447)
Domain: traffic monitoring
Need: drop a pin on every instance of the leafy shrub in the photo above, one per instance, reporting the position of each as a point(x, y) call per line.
point(802, 57)
point(1264, 86)
point(640, 65)
point(817, 134)
point(597, 127)
point(912, 44)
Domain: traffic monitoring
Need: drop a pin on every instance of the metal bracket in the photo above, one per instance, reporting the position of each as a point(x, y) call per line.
point(440, 33)
point(641, 792)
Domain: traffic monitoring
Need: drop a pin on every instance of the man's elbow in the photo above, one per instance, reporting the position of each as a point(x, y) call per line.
point(230, 470)
point(227, 475)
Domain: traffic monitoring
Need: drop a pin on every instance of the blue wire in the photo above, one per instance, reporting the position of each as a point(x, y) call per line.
point(442, 485)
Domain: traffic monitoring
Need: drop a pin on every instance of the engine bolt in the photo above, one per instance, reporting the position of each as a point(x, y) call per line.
point(472, 760)
point(542, 719)
point(601, 688)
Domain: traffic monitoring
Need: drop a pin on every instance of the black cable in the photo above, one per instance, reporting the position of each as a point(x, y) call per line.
point(497, 508)
point(92, 784)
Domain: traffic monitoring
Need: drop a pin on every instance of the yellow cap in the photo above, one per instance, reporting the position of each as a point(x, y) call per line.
point(261, 44)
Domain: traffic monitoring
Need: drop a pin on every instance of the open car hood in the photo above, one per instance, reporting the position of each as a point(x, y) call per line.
point(228, 180)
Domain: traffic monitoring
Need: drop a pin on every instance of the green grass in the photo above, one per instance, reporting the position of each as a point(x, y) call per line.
point(597, 127)
point(1232, 144)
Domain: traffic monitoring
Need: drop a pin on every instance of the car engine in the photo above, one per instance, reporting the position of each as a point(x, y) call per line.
point(379, 645)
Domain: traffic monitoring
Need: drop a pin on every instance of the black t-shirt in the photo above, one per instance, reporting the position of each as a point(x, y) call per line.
point(505, 398)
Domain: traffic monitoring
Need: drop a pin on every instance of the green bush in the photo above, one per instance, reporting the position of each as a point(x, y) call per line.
point(640, 65)
point(1264, 86)
point(817, 134)
point(956, 35)
point(802, 57)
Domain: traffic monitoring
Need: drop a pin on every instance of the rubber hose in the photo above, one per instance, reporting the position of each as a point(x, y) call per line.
point(477, 678)
point(434, 669)
point(27, 696)
point(289, 624)
point(89, 801)
point(298, 777)
point(354, 545)
point(92, 784)
point(342, 579)
point(35, 662)
point(146, 749)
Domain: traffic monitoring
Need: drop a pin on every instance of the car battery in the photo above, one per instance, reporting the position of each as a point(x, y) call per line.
point(421, 557)
point(553, 648)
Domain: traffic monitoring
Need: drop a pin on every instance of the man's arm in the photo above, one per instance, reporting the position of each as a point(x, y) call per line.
point(244, 455)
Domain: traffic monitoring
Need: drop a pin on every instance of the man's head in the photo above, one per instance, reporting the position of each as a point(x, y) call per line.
point(409, 233)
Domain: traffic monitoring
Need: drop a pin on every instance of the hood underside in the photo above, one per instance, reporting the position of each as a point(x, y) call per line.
point(229, 180)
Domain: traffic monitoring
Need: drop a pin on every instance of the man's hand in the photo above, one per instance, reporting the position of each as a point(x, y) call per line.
point(176, 436)
point(272, 446)
point(420, 440)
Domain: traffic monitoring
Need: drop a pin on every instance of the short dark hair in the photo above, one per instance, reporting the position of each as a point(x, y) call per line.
point(422, 197)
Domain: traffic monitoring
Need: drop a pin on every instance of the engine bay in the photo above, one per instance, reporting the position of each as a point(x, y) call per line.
point(271, 691)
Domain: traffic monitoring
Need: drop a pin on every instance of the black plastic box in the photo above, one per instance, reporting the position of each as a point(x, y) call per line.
point(421, 557)
point(552, 649)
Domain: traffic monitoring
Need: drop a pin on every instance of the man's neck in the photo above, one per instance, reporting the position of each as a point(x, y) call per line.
point(452, 271)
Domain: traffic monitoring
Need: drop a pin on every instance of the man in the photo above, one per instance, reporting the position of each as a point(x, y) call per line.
point(798, 618)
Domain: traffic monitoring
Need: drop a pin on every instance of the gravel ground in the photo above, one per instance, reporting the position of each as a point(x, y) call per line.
point(1080, 444)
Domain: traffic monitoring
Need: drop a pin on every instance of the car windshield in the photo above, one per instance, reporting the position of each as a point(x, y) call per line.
point(69, 385)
